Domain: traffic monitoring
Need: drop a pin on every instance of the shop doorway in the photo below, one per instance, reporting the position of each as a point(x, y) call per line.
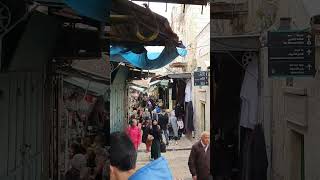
point(228, 76)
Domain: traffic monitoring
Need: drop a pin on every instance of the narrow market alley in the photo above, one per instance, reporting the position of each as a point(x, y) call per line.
point(167, 99)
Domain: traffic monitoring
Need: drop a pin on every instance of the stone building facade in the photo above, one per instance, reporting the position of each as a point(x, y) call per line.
point(288, 107)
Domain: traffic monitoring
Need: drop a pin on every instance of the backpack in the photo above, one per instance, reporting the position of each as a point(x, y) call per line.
point(158, 110)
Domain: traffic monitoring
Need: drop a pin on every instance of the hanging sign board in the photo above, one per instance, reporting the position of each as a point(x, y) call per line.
point(291, 54)
point(200, 78)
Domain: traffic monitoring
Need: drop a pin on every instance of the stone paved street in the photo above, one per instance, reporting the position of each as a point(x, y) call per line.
point(177, 156)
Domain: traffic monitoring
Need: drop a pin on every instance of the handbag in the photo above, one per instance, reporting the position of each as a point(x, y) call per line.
point(150, 137)
point(163, 138)
point(163, 147)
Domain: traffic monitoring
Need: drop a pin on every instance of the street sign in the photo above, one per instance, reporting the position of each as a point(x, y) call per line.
point(291, 54)
point(200, 78)
point(294, 69)
point(286, 39)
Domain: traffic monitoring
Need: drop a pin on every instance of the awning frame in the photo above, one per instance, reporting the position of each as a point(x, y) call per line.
point(236, 43)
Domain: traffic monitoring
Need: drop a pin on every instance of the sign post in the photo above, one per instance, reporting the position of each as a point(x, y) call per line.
point(291, 54)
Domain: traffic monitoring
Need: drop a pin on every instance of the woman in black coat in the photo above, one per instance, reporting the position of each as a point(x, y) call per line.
point(155, 147)
point(146, 129)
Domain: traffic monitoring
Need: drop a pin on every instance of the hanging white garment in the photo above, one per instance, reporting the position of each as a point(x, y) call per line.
point(249, 96)
point(188, 92)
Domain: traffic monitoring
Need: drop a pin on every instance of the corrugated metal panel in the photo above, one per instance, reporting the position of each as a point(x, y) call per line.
point(4, 122)
point(118, 101)
point(21, 117)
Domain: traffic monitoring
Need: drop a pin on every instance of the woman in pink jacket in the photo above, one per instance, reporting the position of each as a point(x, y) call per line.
point(134, 133)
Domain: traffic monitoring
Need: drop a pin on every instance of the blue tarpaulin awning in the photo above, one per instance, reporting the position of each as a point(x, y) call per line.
point(142, 60)
point(94, 9)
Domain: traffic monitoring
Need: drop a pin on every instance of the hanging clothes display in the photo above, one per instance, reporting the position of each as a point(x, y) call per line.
point(174, 90)
point(179, 111)
point(161, 93)
point(181, 92)
point(189, 125)
point(249, 96)
point(188, 91)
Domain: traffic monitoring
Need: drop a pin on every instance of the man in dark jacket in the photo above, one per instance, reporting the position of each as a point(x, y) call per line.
point(199, 159)
point(163, 122)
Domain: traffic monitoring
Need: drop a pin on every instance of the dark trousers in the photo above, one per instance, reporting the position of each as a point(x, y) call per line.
point(180, 131)
point(155, 149)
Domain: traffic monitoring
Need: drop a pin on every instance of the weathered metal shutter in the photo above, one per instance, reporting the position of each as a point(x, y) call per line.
point(21, 121)
point(118, 100)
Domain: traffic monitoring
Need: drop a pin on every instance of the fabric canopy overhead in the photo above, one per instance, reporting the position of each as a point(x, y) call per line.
point(142, 61)
point(143, 26)
point(138, 88)
point(98, 88)
point(94, 9)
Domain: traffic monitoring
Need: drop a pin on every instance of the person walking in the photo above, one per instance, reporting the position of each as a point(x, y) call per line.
point(180, 127)
point(199, 159)
point(174, 125)
point(146, 114)
point(163, 122)
point(146, 129)
point(155, 147)
point(134, 133)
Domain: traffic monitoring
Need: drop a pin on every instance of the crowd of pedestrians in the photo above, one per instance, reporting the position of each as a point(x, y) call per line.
point(155, 127)
point(123, 159)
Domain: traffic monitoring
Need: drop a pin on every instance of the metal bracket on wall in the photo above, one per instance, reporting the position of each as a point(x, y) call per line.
point(5, 17)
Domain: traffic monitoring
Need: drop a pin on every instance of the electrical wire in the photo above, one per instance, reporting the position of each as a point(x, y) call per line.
point(198, 47)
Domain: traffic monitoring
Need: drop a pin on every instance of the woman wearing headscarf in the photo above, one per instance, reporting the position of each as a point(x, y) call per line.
point(174, 125)
point(146, 128)
point(134, 133)
point(155, 147)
